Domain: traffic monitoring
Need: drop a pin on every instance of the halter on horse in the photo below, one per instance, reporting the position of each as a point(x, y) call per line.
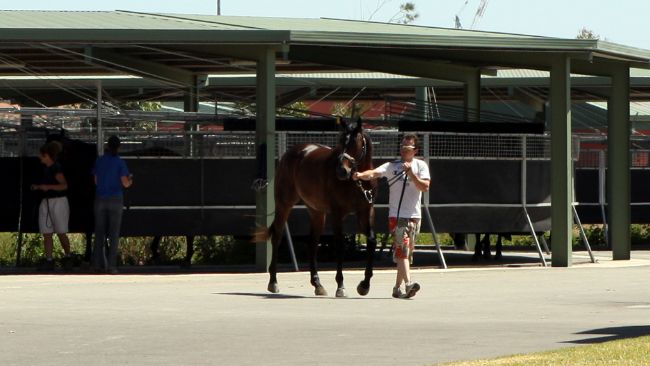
point(321, 177)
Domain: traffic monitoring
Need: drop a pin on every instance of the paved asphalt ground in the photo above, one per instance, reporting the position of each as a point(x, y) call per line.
point(230, 319)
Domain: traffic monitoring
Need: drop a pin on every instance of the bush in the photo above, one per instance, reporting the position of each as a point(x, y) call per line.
point(223, 250)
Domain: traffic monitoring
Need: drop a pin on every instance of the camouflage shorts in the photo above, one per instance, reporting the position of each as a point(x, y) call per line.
point(404, 232)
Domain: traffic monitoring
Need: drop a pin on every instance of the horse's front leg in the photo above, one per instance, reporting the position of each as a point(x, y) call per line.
point(371, 244)
point(340, 250)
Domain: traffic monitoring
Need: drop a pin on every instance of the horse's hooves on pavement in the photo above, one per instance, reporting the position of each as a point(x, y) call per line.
point(340, 292)
point(320, 291)
point(273, 288)
point(362, 290)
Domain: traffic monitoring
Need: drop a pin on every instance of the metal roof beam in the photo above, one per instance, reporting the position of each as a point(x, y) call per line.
point(243, 52)
point(598, 68)
point(518, 59)
point(139, 67)
point(383, 63)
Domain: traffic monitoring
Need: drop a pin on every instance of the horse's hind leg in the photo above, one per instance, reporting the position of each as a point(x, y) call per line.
point(283, 204)
point(317, 223)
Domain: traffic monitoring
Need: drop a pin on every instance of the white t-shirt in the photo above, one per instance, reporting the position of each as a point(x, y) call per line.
point(410, 207)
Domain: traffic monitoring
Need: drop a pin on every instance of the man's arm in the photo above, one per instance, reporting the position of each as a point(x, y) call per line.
point(127, 181)
point(421, 184)
point(366, 175)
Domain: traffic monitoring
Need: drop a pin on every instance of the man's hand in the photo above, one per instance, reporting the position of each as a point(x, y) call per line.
point(355, 176)
point(407, 166)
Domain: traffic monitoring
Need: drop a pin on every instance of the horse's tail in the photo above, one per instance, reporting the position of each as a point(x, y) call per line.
point(262, 234)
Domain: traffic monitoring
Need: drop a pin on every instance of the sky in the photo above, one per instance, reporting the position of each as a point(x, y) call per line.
point(621, 21)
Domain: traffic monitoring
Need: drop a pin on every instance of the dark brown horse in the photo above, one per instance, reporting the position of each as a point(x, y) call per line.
point(320, 177)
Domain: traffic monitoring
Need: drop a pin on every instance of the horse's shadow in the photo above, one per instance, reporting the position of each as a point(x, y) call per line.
point(285, 296)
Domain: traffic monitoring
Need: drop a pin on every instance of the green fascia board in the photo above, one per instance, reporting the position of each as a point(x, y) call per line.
point(639, 54)
point(456, 41)
point(158, 36)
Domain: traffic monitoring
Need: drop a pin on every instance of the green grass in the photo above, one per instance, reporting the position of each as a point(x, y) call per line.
point(625, 352)
point(134, 250)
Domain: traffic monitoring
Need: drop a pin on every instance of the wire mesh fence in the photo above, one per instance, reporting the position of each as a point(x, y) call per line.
point(241, 145)
point(588, 152)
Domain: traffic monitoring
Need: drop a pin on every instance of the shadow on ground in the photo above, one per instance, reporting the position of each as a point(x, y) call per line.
point(613, 333)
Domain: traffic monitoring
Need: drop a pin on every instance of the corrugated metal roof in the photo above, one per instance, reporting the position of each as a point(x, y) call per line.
point(340, 25)
point(527, 73)
point(334, 31)
point(13, 19)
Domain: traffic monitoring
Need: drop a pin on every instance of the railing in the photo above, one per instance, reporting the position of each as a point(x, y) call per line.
point(226, 144)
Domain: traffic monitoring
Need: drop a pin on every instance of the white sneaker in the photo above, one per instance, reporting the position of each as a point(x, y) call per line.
point(397, 293)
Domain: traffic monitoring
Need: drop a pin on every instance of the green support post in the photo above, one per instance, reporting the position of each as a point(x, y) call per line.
point(618, 163)
point(561, 167)
point(473, 96)
point(265, 147)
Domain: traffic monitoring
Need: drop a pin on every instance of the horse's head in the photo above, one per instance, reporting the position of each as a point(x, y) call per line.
point(354, 149)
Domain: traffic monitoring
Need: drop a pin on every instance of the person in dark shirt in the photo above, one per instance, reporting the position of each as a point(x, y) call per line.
point(54, 210)
point(111, 177)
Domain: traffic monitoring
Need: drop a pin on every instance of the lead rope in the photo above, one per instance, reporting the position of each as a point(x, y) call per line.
point(399, 205)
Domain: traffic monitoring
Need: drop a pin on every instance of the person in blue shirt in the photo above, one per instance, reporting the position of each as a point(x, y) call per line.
point(111, 177)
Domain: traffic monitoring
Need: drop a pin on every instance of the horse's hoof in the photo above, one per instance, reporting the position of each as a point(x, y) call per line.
point(363, 290)
point(320, 291)
point(273, 288)
point(340, 292)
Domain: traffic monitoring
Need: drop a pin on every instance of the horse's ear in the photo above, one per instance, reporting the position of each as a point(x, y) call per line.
point(359, 126)
point(340, 121)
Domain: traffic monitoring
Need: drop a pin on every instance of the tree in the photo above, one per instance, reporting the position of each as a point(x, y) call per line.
point(587, 34)
point(406, 14)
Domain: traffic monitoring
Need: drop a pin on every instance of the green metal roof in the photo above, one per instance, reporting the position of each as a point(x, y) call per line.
point(92, 25)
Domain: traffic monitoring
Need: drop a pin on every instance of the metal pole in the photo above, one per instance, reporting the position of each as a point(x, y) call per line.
point(100, 130)
point(524, 196)
point(426, 196)
point(601, 194)
point(218, 7)
point(443, 263)
point(583, 235)
point(290, 242)
point(532, 230)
